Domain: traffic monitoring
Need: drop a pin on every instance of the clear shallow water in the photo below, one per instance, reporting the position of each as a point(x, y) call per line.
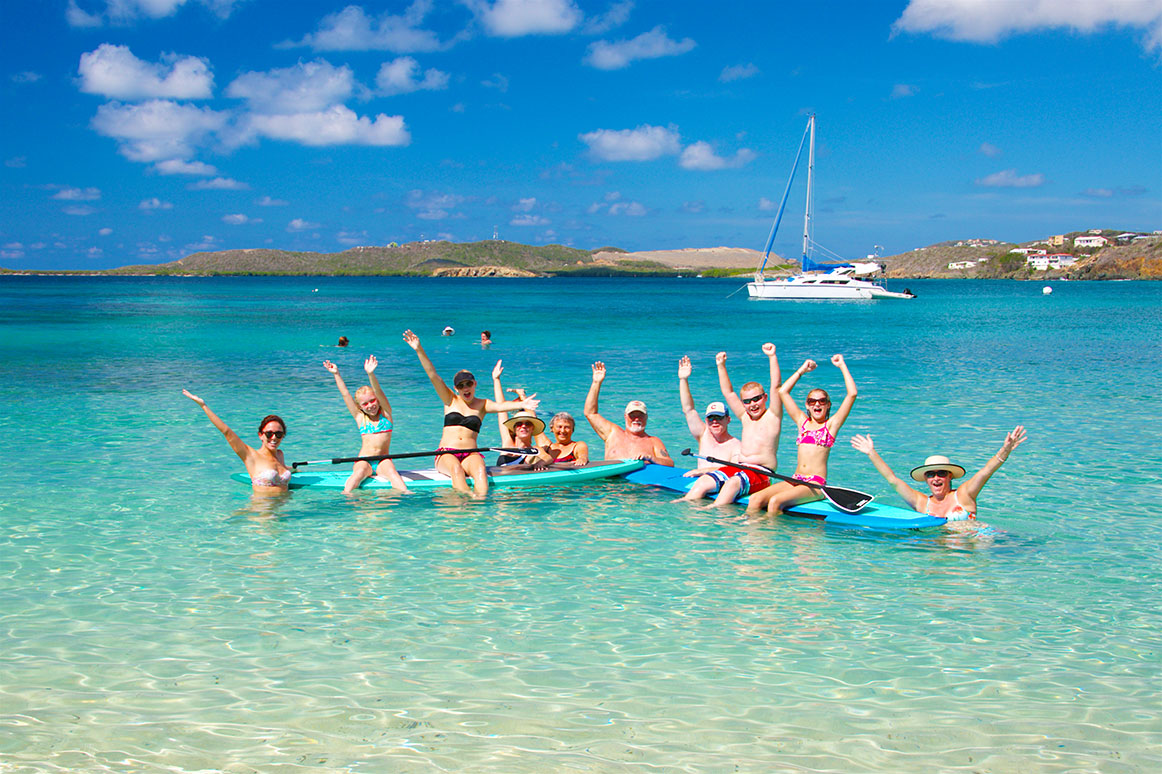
point(156, 618)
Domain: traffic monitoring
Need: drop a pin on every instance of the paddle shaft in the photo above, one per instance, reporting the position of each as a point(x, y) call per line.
point(408, 455)
point(837, 496)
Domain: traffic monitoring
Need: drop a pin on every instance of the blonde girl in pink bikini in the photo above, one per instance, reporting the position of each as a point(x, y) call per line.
point(817, 430)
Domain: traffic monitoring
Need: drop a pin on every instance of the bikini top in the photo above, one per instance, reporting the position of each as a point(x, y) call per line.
point(820, 436)
point(456, 419)
point(272, 477)
point(958, 512)
point(382, 425)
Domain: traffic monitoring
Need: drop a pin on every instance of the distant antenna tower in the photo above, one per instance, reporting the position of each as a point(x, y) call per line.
point(495, 233)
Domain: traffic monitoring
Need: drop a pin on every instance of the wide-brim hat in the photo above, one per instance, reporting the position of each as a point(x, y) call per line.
point(525, 416)
point(937, 462)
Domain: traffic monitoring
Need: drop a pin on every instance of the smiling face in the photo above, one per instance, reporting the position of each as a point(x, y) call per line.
point(466, 390)
point(754, 399)
point(271, 434)
point(562, 430)
point(719, 426)
point(939, 481)
point(523, 431)
point(367, 401)
point(635, 421)
point(818, 405)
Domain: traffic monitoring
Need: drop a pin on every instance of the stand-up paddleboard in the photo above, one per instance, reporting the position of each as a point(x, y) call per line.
point(430, 478)
point(874, 515)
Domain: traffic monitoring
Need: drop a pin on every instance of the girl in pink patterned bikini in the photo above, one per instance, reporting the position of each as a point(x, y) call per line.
point(817, 430)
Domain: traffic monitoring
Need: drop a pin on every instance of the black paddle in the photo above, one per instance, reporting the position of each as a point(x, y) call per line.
point(847, 500)
point(377, 457)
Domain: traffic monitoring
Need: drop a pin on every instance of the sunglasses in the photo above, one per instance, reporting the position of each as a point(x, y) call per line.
point(818, 401)
point(941, 473)
point(268, 434)
point(754, 399)
point(462, 385)
point(715, 419)
point(522, 424)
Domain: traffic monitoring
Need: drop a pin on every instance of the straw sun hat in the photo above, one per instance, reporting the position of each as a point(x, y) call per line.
point(525, 416)
point(937, 462)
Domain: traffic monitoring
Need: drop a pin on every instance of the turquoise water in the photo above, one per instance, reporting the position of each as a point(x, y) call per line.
point(155, 617)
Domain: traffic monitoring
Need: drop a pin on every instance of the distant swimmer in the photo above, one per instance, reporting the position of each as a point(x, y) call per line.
point(448, 330)
point(712, 431)
point(631, 442)
point(817, 430)
point(485, 339)
point(463, 417)
point(342, 341)
point(372, 413)
point(938, 473)
point(268, 471)
point(761, 425)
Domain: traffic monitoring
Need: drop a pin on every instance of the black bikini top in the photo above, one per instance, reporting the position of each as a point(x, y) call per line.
point(456, 419)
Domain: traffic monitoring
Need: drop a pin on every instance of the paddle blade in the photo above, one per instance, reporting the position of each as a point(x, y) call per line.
point(847, 500)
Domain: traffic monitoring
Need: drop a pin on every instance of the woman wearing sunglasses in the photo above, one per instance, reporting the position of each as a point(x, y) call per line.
point(817, 430)
point(525, 430)
point(463, 417)
point(938, 473)
point(268, 472)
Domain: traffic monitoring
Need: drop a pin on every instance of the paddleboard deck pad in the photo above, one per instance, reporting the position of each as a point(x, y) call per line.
point(873, 515)
point(430, 478)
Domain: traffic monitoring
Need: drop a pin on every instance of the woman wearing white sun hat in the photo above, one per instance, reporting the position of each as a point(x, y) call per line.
point(938, 472)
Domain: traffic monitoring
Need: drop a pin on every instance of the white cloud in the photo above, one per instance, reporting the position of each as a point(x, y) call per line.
point(766, 205)
point(14, 246)
point(78, 194)
point(218, 184)
point(1103, 193)
point(266, 201)
point(399, 77)
point(430, 205)
point(352, 238)
point(614, 206)
point(617, 15)
point(304, 88)
point(208, 243)
point(156, 130)
point(238, 219)
point(694, 207)
point(738, 73)
point(113, 71)
point(154, 204)
point(298, 224)
point(105, 231)
point(644, 143)
point(1008, 178)
point(649, 45)
point(180, 167)
point(81, 19)
point(988, 21)
point(28, 76)
point(525, 205)
point(497, 81)
point(353, 30)
point(79, 209)
point(529, 220)
point(11, 254)
point(701, 156)
point(337, 125)
point(123, 12)
point(514, 18)
point(901, 90)
point(990, 150)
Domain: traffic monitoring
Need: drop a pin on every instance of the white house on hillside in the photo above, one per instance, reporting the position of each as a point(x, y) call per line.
point(1090, 241)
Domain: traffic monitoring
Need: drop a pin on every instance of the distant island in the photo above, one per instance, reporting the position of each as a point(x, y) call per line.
point(1092, 254)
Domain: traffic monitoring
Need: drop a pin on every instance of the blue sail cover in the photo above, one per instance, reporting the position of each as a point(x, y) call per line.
point(810, 265)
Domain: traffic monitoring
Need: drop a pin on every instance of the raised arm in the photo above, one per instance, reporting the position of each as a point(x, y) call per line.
point(240, 448)
point(498, 393)
point(776, 381)
point(864, 444)
point(797, 414)
point(602, 426)
point(693, 418)
point(840, 416)
point(972, 487)
point(352, 406)
point(728, 393)
point(369, 365)
point(413, 341)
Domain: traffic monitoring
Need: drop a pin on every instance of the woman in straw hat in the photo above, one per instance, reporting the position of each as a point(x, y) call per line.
point(524, 429)
point(938, 472)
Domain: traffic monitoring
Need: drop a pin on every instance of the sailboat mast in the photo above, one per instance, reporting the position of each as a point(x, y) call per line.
point(810, 181)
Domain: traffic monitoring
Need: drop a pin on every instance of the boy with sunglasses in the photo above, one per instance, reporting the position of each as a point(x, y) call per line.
point(761, 424)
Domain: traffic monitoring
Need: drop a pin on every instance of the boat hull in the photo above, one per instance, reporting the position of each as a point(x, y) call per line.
point(802, 287)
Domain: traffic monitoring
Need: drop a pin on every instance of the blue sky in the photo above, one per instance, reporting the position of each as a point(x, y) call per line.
point(138, 131)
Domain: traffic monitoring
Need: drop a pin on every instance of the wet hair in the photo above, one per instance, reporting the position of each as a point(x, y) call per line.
point(271, 418)
point(487, 334)
point(565, 415)
point(342, 341)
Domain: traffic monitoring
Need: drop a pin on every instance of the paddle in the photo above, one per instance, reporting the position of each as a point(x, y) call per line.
point(377, 457)
point(846, 500)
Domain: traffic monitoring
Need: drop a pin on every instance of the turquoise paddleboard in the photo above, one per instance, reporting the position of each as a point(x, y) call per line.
point(872, 515)
point(430, 478)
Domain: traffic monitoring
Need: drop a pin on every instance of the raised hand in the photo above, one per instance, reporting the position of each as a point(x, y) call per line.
point(331, 366)
point(685, 368)
point(809, 366)
point(837, 361)
point(370, 363)
point(863, 443)
point(769, 349)
point(720, 358)
point(530, 403)
point(598, 372)
point(412, 339)
point(194, 398)
point(1014, 439)
point(498, 369)
point(520, 393)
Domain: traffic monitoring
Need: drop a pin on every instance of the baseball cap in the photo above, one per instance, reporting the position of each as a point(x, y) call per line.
point(636, 405)
point(716, 409)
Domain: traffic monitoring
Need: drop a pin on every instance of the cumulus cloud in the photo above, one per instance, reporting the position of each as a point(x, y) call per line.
point(238, 219)
point(113, 71)
point(105, 231)
point(338, 125)
point(157, 130)
point(28, 76)
point(1008, 178)
point(353, 30)
point(988, 21)
point(497, 81)
point(180, 167)
point(266, 201)
point(79, 209)
point(298, 224)
point(617, 15)
point(514, 18)
point(525, 205)
point(218, 184)
point(78, 194)
point(613, 205)
point(738, 73)
point(645, 143)
point(766, 205)
point(151, 204)
point(901, 90)
point(605, 55)
point(990, 150)
point(431, 205)
point(529, 220)
point(303, 88)
point(701, 156)
point(123, 12)
point(399, 76)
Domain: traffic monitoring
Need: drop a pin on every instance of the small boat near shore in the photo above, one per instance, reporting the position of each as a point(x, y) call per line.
point(841, 281)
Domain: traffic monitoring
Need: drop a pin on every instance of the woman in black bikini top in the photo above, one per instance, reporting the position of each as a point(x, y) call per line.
point(463, 417)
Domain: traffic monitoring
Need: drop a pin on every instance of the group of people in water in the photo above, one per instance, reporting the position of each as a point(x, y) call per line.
point(733, 467)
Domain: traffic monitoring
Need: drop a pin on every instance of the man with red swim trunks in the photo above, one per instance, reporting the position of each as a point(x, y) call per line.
point(761, 425)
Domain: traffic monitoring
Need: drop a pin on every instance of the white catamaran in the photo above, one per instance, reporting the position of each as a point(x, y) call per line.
point(817, 280)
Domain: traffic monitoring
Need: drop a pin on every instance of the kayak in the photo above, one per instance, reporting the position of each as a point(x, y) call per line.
point(872, 515)
point(430, 478)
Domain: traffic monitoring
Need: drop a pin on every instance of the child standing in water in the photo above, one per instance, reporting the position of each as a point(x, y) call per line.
point(372, 413)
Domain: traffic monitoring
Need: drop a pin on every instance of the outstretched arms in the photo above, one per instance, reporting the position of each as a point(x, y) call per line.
point(840, 416)
point(728, 393)
point(498, 394)
point(602, 426)
point(347, 399)
point(369, 365)
point(1015, 438)
point(240, 448)
point(863, 443)
point(797, 414)
point(413, 341)
point(693, 418)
